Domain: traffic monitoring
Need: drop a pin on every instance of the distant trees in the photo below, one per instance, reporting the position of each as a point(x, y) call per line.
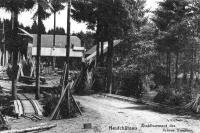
point(34, 28)
point(58, 31)
point(87, 39)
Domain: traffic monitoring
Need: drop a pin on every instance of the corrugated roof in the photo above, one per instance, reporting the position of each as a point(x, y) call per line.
point(60, 41)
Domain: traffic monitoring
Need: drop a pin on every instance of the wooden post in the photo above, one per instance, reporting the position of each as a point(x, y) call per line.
point(15, 53)
point(37, 96)
point(68, 54)
point(54, 39)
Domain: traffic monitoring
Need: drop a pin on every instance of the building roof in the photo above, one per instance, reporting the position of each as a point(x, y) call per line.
point(60, 41)
point(93, 49)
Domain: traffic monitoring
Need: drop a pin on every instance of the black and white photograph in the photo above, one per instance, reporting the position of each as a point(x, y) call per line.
point(99, 66)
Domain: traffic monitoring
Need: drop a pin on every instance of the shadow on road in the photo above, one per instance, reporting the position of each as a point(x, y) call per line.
point(180, 112)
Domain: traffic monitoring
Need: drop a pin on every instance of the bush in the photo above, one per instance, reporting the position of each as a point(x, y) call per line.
point(170, 98)
point(159, 77)
point(132, 85)
point(175, 100)
point(161, 96)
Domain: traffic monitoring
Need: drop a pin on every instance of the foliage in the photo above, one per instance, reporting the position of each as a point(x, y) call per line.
point(16, 5)
point(57, 5)
point(103, 15)
point(58, 31)
point(34, 28)
point(87, 39)
point(141, 50)
point(129, 84)
point(136, 10)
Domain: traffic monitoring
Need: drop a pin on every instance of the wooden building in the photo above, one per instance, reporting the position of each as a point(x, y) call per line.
point(59, 51)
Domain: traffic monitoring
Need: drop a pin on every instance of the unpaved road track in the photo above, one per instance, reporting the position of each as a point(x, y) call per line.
point(138, 118)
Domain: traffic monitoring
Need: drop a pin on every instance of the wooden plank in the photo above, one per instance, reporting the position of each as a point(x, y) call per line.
point(28, 108)
point(18, 107)
point(21, 111)
point(37, 106)
point(32, 129)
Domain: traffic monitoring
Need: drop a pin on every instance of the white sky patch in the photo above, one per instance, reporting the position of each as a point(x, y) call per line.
point(61, 20)
point(152, 4)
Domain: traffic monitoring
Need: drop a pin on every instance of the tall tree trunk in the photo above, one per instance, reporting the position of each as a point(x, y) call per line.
point(54, 39)
point(191, 69)
point(169, 66)
point(110, 65)
point(14, 54)
point(4, 45)
point(102, 57)
point(176, 71)
point(97, 53)
point(37, 95)
point(97, 41)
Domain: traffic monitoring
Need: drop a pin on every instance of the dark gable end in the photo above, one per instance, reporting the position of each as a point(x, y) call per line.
point(47, 41)
point(93, 49)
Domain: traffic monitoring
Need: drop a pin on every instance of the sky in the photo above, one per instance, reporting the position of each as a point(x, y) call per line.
point(25, 18)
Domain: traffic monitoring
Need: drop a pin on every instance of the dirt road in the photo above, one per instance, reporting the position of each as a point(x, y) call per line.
point(118, 116)
point(114, 116)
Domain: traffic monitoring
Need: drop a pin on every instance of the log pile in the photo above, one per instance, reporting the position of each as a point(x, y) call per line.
point(194, 105)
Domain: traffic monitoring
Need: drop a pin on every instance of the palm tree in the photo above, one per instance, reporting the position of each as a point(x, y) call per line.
point(15, 7)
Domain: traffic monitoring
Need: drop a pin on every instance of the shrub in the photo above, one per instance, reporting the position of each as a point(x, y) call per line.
point(171, 98)
point(132, 85)
point(161, 96)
